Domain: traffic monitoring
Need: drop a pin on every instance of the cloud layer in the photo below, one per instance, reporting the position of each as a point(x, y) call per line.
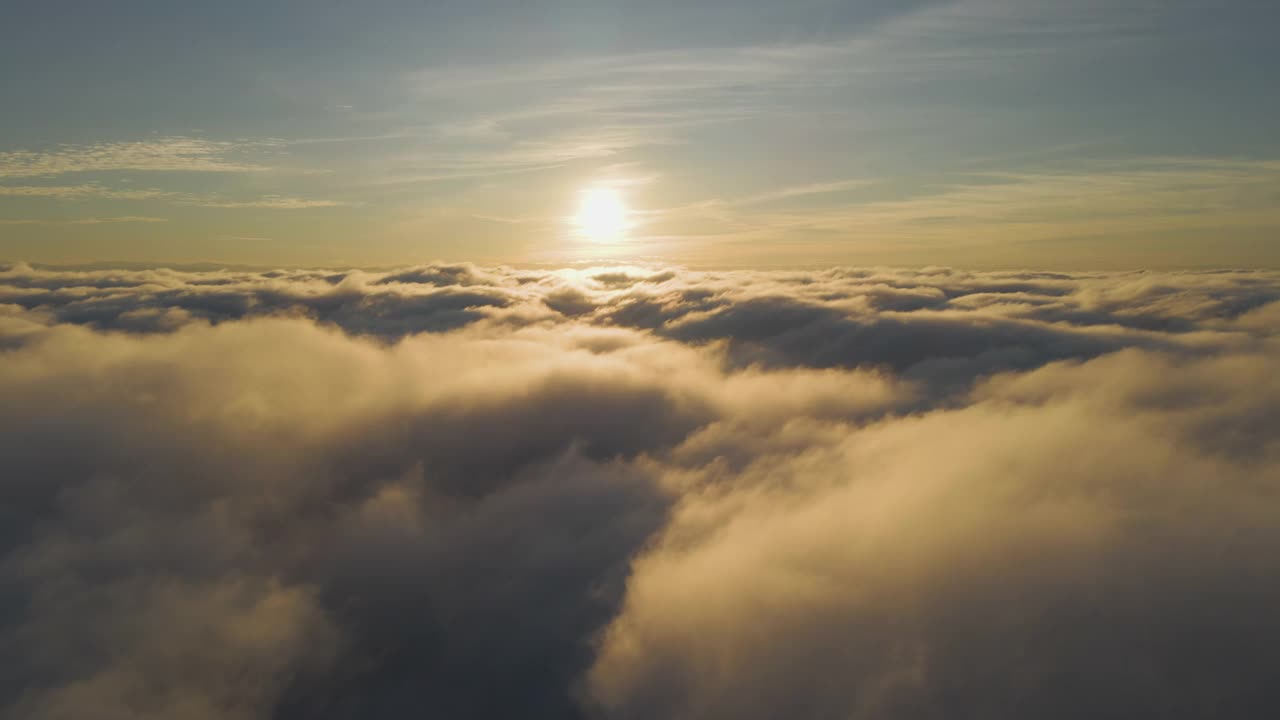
point(638, 492)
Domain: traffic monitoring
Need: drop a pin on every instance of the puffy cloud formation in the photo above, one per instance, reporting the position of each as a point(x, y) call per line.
point(450, 491)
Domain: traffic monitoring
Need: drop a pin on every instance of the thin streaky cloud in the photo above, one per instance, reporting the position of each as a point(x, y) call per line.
point(81, 191)
point(173, 154)
point(795, 191)
point(687, 89)
point(270, 203)
point(982, 209)
point(87, 221)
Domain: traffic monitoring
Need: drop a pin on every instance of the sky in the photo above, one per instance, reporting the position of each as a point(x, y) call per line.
point(639, 359)
point(983, 133)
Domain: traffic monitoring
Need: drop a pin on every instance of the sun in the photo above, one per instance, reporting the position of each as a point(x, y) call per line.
point(602, 215)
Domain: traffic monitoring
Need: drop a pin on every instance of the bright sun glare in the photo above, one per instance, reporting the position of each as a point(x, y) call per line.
point(602, 215)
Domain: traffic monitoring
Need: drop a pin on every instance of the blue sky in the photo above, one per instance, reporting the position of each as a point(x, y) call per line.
point(974, 132)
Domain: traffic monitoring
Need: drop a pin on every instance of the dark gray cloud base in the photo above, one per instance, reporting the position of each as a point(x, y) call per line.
point(459, 492)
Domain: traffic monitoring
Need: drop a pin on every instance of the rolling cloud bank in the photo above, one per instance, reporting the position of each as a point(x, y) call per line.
point(457, 492)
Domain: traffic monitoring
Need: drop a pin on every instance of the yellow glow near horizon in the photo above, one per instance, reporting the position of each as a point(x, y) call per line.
point(602, 215)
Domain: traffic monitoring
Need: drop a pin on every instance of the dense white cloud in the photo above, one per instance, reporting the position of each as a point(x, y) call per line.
point(638, 492)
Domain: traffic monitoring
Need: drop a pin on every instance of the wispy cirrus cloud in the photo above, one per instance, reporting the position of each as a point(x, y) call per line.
point(173, 154)
point(85, 221)
point(68, 192)
point(271, 202)
point(97, 190)
point(1170, 192)
point(587, 107)
point(1139, 196)
point(808, 190)
point(170, 154)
